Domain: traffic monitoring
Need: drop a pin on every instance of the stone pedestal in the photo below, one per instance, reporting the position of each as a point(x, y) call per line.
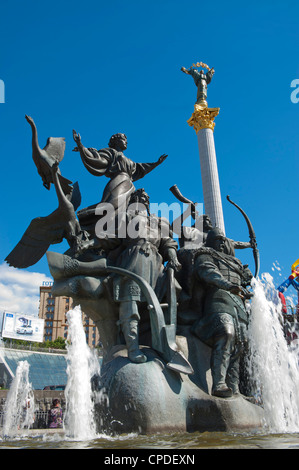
point(150, 398)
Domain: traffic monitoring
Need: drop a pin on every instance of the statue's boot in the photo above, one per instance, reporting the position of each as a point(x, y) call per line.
point(220, 359)
point(233, 373)
point(130, 330)
point(63, 266)
point(129, 321)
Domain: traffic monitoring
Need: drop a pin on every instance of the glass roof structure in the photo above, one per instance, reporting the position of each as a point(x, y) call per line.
point(45, 369)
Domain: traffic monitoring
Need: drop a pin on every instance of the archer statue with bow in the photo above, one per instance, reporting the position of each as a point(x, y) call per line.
point(222, 319)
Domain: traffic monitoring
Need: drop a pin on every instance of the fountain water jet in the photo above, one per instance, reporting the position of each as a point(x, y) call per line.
point(82, 365)
point(273, 365)
point(19, 406)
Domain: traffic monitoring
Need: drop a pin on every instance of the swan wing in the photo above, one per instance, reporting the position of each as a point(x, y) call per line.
point(40, 234)
point(55, 148)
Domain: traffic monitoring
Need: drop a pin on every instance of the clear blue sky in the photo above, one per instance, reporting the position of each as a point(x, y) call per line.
point(103, 67)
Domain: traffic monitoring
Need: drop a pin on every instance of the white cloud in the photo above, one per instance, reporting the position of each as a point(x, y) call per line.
point(19, 290)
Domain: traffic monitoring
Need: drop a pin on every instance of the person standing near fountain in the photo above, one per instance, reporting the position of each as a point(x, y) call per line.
point(55, 415)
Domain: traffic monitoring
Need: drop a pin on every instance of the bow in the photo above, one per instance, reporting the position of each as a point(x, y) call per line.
point(252, 237)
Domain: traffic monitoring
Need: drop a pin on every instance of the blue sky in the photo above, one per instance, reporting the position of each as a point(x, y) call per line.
point(105, 67)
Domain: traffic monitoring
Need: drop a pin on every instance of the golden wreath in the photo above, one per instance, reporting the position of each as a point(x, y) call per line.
point(201, 64)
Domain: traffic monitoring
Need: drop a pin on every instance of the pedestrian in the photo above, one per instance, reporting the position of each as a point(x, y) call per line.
point(55, 415)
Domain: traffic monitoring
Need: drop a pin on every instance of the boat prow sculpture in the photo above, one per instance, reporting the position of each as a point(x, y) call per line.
point(172, 321)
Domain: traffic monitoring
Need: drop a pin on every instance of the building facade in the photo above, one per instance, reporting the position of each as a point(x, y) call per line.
point(54, 309)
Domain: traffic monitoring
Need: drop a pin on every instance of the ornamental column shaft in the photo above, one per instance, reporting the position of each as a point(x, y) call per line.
point(202, 120)
point(210, 178)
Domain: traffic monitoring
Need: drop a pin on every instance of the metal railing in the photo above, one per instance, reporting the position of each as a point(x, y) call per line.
point(40, 420)
point(23, 347)
point(30, 347)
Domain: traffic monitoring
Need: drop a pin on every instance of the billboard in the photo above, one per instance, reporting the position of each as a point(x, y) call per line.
point(25, 327)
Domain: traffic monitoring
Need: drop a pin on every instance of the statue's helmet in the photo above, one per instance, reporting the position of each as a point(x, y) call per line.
point(140, 195)
point(216, 239)
point(206, 222)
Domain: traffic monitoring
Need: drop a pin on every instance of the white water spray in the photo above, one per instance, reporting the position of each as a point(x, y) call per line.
point(19, 406)
point(273, 365)
point(82, 364)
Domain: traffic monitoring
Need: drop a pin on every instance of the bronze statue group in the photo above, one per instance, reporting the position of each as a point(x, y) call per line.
point(203, 277)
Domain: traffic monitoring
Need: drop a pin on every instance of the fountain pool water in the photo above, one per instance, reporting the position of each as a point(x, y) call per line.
point(19, 406)
point(273, 364)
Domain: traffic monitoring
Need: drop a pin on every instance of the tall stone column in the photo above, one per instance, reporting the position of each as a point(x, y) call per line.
point(202, 120)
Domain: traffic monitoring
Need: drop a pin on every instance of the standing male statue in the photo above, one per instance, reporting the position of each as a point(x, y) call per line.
point(145, 249)
point(224, 317)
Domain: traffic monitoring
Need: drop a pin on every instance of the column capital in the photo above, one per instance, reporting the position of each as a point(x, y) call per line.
point(203, 117)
